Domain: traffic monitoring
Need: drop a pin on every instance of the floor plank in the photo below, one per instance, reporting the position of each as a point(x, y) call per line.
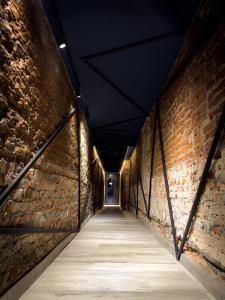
point(115, 257)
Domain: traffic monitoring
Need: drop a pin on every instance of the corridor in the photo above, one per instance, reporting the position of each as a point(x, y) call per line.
point(115, 257)
point(112, 149)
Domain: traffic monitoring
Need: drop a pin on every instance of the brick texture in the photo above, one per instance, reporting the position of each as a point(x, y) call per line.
point(190, 110)
point(125, 191)
point(35, 94)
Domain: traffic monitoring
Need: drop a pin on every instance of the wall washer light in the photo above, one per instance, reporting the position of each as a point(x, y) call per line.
point(63, 45)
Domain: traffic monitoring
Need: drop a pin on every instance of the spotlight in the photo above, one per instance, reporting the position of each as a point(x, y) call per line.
point(63, 45)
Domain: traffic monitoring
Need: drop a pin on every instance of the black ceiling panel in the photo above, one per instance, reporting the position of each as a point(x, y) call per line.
point(119, 53)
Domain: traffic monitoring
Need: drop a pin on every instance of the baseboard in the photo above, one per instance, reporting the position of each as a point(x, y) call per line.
point(20, 287)
point(210, 281)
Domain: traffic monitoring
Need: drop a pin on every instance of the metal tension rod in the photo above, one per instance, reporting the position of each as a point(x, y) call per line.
point(117, 123)
point(202, 182)
point(24, 171)
point(134, 44)
point(152, 162)
point(166, 181)
point(131, 101)
point(142, 190)
point(24, 230)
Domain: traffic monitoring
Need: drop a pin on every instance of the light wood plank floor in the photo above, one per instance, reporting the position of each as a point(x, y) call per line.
point(115, 257)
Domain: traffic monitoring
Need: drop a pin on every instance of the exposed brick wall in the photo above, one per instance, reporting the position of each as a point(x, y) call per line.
point(85, 171)
point(98, 188)
point(35, 94)
point(125, 191)
point(190, 110)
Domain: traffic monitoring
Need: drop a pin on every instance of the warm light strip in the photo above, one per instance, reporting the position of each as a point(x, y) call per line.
point(98, 157)
point(124, 161)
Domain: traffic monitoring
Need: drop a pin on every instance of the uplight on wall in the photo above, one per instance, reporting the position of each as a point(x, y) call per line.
point(62, 46)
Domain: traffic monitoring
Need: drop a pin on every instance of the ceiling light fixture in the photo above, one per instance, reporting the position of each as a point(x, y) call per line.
point(63, 45)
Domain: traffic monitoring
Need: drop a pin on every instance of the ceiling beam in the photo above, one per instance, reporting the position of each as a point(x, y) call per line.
point(129, 99)
point(117, 123)
point(134, 44)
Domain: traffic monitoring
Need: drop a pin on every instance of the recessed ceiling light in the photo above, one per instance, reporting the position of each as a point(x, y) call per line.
point(63, 45)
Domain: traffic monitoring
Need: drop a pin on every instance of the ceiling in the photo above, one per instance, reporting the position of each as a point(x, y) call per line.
point(119, 53)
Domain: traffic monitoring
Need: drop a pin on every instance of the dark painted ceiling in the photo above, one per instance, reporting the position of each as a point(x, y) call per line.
point(119, 53)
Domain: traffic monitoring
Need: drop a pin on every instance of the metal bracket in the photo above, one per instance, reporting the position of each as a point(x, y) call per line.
point(152, 163)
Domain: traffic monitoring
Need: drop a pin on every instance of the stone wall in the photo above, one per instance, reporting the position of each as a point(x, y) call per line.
point(35, 95)
point(190, 109)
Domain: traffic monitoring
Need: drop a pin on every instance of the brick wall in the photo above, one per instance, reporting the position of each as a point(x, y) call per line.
point(125, 191)
point(98, 188)
point(190, 109)
point(35, 94)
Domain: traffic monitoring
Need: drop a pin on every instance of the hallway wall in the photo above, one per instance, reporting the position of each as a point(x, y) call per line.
point(124, 175)
point(35, 95)
point(190, 110)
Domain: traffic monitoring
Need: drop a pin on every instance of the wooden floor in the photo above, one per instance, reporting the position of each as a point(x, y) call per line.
point(115, 257)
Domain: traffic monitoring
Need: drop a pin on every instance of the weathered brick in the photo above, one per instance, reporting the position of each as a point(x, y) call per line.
point(35, 94)
point(190, 109)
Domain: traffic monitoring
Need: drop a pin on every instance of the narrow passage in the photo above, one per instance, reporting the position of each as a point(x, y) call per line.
point(116, 257)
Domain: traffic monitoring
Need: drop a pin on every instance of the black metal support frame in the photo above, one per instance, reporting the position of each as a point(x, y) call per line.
point(105, 78)
point(196, 202)
point(152, 163)
point(134, 44)
point(117, 123)
point(142, 190)
point(87, 61)
point(24, 171)
point(214, 145)
point(15, 182)
point(166, 180)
